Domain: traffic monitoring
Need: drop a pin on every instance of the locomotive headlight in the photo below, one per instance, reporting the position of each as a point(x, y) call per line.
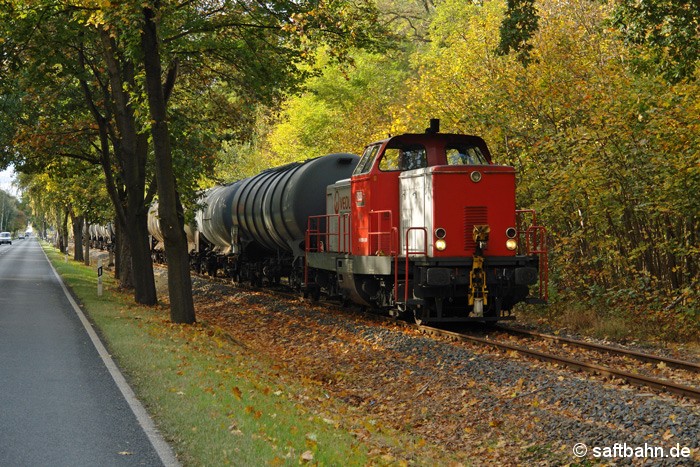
point(440, 244)
point(512, 244)
point(475, 176)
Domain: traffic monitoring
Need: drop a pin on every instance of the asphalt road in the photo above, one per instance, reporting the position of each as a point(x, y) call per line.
point(59, 403)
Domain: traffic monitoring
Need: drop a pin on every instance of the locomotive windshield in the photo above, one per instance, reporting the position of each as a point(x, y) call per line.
point(465, 155)
point(416, 151)
point(404, 158)
point(367, 160)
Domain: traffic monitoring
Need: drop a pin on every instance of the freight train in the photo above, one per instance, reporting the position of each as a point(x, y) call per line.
point(102, 236)
point(421, 225)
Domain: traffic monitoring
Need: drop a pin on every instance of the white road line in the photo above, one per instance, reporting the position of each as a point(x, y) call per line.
point(165, 452)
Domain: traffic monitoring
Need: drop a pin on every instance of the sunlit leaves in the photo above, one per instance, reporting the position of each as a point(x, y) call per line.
point(668, 33)
point(610, 157)
point(341, 110)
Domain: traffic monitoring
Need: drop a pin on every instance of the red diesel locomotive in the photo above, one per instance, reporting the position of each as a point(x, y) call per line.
point(422, 225)
point(427, 225)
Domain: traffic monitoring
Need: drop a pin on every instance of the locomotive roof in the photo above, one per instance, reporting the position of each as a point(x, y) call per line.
point(441, 138)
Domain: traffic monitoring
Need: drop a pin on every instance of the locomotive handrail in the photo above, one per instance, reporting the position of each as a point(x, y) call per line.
point(345, 245)
point(521, 214)
point(409, 252)
point(314, 231)
point(379, 233)
point(535, 240)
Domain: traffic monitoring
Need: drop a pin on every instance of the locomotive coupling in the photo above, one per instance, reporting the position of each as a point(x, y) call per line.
point(481, 238)
point(478, 294)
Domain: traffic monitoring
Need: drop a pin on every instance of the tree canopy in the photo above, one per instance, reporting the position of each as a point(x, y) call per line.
point(594, 102)
point(95, 81)
point(607, 151)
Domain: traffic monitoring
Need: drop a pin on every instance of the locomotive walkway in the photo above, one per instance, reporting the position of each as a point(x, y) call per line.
point(62, 399)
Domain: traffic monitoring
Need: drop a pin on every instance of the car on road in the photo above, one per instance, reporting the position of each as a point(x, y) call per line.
point(5, 237)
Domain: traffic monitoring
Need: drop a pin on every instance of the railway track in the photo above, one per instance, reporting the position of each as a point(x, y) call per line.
point(685, 390)
point(594, 368)
point(641, 356)
point(692, 392)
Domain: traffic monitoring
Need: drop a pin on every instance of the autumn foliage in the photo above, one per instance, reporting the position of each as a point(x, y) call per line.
point(609, 155)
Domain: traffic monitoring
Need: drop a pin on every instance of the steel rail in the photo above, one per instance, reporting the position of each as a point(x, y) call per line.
point(649, 358)
point(637, 380)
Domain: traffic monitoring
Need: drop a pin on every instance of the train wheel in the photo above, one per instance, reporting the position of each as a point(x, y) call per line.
point(312, 293)
point(420, 315)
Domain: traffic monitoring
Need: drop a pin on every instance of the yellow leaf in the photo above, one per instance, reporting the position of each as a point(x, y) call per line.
point(311, 440)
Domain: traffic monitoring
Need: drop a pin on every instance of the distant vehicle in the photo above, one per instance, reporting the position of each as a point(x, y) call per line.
point(5, 237)
point(20, 237)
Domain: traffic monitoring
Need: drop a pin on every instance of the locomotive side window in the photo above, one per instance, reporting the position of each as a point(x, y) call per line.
point(407, 158)
point(366, 161)
point(465, 155)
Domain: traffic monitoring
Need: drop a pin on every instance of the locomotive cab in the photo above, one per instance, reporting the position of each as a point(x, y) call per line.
point(376, 186)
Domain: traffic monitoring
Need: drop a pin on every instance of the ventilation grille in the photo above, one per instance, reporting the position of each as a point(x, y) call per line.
point(473, 215)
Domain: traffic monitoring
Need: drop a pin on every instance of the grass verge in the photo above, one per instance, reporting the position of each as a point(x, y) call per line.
point(215, 401)
point(623, 323)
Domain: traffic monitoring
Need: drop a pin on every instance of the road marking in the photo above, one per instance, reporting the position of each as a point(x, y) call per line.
point(165, 452)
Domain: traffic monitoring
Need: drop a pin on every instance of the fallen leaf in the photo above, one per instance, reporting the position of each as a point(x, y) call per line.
point(307, 456)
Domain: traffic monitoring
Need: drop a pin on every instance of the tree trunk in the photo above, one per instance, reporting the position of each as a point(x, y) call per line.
point(171, 218)
point(141, 263)
point(122, 269)
point(86, 243)
point(78, 222)
point(131, 151)
point(63, 242)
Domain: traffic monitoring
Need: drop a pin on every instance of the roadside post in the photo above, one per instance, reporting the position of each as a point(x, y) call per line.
point(99, 277)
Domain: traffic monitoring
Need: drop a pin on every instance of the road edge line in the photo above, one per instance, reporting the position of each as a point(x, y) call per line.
point(162, 448)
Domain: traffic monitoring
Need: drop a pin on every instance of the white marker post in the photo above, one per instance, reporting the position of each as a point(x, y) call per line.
point(99, 277)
